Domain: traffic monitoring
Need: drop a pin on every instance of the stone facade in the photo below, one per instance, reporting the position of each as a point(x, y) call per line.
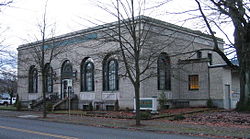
point(180, 44)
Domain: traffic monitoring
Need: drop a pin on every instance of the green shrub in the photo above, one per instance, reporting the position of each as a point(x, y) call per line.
point(127, 109)
point(145, 115)
point(90, 106)
point(243, 107)
point(210, 103)
point(179, 117)
point(33, 102)
point(116, 105)
point(18, 106)
point(162, 100)
point(49, 106)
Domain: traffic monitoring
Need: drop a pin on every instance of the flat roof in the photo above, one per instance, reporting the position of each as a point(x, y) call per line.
point(144, 19)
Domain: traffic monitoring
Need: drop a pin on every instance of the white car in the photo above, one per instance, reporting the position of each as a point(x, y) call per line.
point(5, 99)
point(13, 100)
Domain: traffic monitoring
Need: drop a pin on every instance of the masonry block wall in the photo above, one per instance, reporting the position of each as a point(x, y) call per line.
point(179, 43)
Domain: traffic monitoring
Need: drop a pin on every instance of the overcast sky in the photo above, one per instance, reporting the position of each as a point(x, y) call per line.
point(22, 18)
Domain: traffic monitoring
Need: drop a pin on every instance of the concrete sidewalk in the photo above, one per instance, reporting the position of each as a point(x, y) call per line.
point(159, 125)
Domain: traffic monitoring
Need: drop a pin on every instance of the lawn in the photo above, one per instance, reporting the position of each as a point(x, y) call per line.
point(9, 107)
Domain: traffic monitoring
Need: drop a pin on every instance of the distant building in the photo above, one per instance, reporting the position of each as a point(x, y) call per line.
point(186, 74)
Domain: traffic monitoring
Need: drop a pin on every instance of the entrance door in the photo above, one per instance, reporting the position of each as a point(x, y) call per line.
point(66, 88)
point(227, 97)
point(66, 76)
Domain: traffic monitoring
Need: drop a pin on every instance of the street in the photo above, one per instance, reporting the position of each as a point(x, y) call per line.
point(19, 128)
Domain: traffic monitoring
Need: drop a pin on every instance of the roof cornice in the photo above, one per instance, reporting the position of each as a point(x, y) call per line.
point(142, 18)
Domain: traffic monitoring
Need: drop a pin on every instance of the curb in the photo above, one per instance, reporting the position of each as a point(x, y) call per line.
point(130, 127)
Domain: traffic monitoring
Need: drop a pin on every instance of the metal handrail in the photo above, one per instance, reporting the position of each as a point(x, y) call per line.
point(40, 99)
point(72, 96)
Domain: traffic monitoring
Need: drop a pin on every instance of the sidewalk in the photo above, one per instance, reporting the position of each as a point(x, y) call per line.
point(157, 125)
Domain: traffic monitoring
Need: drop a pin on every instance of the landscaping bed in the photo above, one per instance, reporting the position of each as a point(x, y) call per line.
point(202, 116)
point(220, 118)
point(146, 115)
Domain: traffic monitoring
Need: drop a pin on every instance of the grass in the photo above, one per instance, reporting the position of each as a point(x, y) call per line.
point(9, 107)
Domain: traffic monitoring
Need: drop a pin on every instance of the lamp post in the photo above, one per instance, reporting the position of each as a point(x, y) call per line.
point(69, 92)
point(69, 89)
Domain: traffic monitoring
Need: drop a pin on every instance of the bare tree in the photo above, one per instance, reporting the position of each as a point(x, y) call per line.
point(238, 12)
point(215, 15)
point(138, 48)
point(6, 3)
point(43, 52)
point(9, 83)
point(131, 37)
point(7, 59)
point(138, 43)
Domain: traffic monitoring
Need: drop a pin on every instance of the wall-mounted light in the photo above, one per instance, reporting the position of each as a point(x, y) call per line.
point(75, 73)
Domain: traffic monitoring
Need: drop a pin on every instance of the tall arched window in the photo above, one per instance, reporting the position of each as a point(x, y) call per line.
point(33, 80)
point(163, 70)
point(66, 75)
point(110, 74)
point(49, 79)
point(67, 70)
point(87, 75)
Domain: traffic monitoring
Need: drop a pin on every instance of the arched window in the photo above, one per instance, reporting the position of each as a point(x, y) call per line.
point(49, 79)
point(66, 75)
point(33, 80)
point(163, 70)
point(67, 70)
point(110, 74)
point(87, 75)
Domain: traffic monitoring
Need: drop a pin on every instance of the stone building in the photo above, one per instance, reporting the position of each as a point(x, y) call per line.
point(90, 67)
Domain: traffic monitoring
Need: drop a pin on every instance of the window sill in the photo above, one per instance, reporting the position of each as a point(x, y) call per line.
point(193, 89)
point(111, 91)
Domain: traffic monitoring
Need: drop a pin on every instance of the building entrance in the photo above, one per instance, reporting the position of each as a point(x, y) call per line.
point(66, 82)
point(67, 88)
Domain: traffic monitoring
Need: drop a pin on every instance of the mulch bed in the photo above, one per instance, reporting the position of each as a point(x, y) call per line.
point(214, 117)
point(220, 118)
point(131, 115)
point(183, 110)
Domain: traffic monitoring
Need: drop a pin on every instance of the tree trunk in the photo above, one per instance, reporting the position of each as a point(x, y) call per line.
point(246, 86)
point(137, 102)
point(44, 94)
point(242, 45)
point(244, 61)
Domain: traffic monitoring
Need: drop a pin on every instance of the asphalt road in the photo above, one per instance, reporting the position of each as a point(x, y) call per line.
point(19, 128)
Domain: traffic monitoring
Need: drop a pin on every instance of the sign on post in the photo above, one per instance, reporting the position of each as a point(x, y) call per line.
point(70, 84)
point(147, 104)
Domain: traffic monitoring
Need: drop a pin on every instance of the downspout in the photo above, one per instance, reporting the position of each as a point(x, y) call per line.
point(208, 83)
point(179, 83)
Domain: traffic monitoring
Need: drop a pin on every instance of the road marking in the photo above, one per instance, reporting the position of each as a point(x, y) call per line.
point(28, 116)
point(38, 133)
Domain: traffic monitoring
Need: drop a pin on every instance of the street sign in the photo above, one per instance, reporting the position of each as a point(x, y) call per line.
point(70, 84)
